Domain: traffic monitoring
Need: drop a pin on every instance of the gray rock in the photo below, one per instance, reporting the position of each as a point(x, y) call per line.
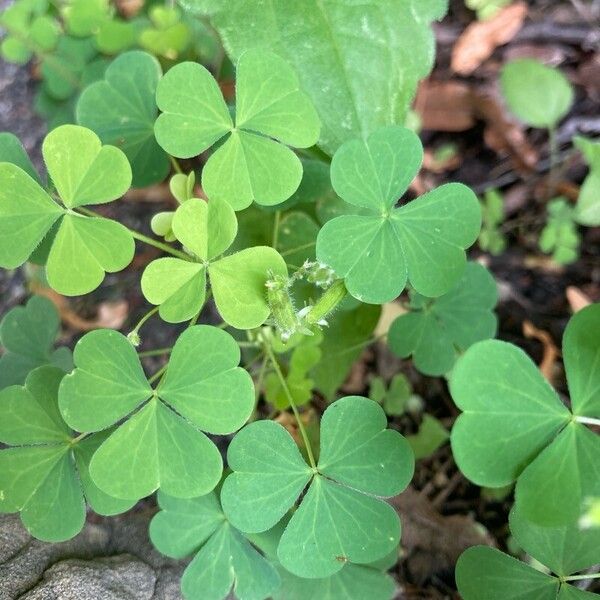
point(111, 559)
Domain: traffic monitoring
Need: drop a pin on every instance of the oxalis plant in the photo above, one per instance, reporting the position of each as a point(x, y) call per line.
point(286, 235)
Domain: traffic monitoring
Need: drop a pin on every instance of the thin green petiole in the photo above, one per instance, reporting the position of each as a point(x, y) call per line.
point(156, 352)
point(288, 395)
point(158, 374)
point(141, 322)
point(175, 164)
point(581, 577)
point(588, 421)
point(276, 229)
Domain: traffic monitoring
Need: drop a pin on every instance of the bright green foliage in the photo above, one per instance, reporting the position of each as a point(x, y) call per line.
point(491, 238)
point(156, 447)
point(303, 358)
point(12, 151)
point(394, 398)
point(84, 17)
point(486, 9)
point(224, 558)
point(359, 459)
point(297, 238)
point(431, 435)
point(207, 229)
point(249, 165)
point(538, 95)
point(182, 188)
point(121, 109)
point(27, 334)
point(435, 331)
point(422, 242)
point(43, 475)
point(83, 172)
point(168, 36)
point(515, 427)
point(587, 211)
point(560, 237)
point(115, 35)
point(346, 337)
point(484, 572)
point(360, 72)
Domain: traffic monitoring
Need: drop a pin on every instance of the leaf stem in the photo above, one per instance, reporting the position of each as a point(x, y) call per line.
point(588, 421)
point(141, 322)
point(276, 229)
point(155, 352)
point(158, 374)
point(77, 439)
point(581, 577)
point(290, 399)
point(176, 165)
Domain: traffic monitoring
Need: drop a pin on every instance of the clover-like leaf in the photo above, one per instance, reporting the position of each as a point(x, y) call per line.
point(238, 281)
point(12, 151)
point(82, 248)
point(43, 475)
point(28, 334)
point(252, 164)
point(224, 559)
point(515, 427)
point(436, 330)
point(587, 210)
point(563, 550)
point(121, 109)
point(383, 247)
point(159, 445)
point(359, 460)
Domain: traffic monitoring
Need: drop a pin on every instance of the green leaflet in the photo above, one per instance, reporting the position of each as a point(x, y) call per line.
point(27, 334)
point(82, 248)
point(43, 475)
point(381, 249)
point(560, 236)
point(436, 330)
point(359, 70)
point(237, 281)
point(486, 572)
point(156, 446)
point(514, 426)
point(251, 164)
point(224, 558)
point(121, 109)
point(538, 95)
point(587, 211)
point(12, 151)
point(359, 459)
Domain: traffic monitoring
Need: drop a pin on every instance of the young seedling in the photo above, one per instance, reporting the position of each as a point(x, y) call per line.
point(491, 238)
point(560, 236)
point(587, 211)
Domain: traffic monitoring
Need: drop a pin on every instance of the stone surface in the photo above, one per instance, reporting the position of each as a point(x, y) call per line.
point(111, 559)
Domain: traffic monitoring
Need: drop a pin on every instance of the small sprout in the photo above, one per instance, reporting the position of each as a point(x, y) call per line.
point(134, 338)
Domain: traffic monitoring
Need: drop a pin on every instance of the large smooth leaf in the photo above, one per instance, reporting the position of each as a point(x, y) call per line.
point(340, 519)
point(121, 109)
point(381, 249)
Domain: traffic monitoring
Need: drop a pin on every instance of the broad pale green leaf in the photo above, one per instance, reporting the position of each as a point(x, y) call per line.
point(208, 388)
point(178, 286)
point(587, 211)
point(436, 330)
point(360, 72)
point(581, 352)
point(225, 560)
point(121, 109)
point(564, 550)
point(353, 582)
point(84, 171)
point(250, 165)
point(108, 375)
point(552, 490)
point(484, 573)
point(238, 285)
point(538, 95)
point(510, 413)
point(156, 448)
point(12, 151)
point(83, 250)
point(26, 215)
point(334, 524)
point(380, 249)
point(27, 334)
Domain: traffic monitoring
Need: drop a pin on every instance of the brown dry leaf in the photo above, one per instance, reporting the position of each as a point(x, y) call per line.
point(550, 350)
point(390, 311)
point(577, 299)
point(110, 315)
point(445, 105)
point(481, 38)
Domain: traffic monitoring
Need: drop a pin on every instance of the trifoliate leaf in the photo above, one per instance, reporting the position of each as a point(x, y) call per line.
point(587, 211)
point(44, 474)
point(115, 36)
point(156, 446)
point(80, 249)
point(12, 151)
point(491, 238)
point(359, 459)
point(436, 330)
point(431, 435)
point(121, 109)
point(560, 237)
point(84, 17)
point(27, 334)
point(248, 166)
point(168, 37)
point(393, 399)
point(224, 559)
point(538, 95)
point(422, 242)
point(514, 426)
